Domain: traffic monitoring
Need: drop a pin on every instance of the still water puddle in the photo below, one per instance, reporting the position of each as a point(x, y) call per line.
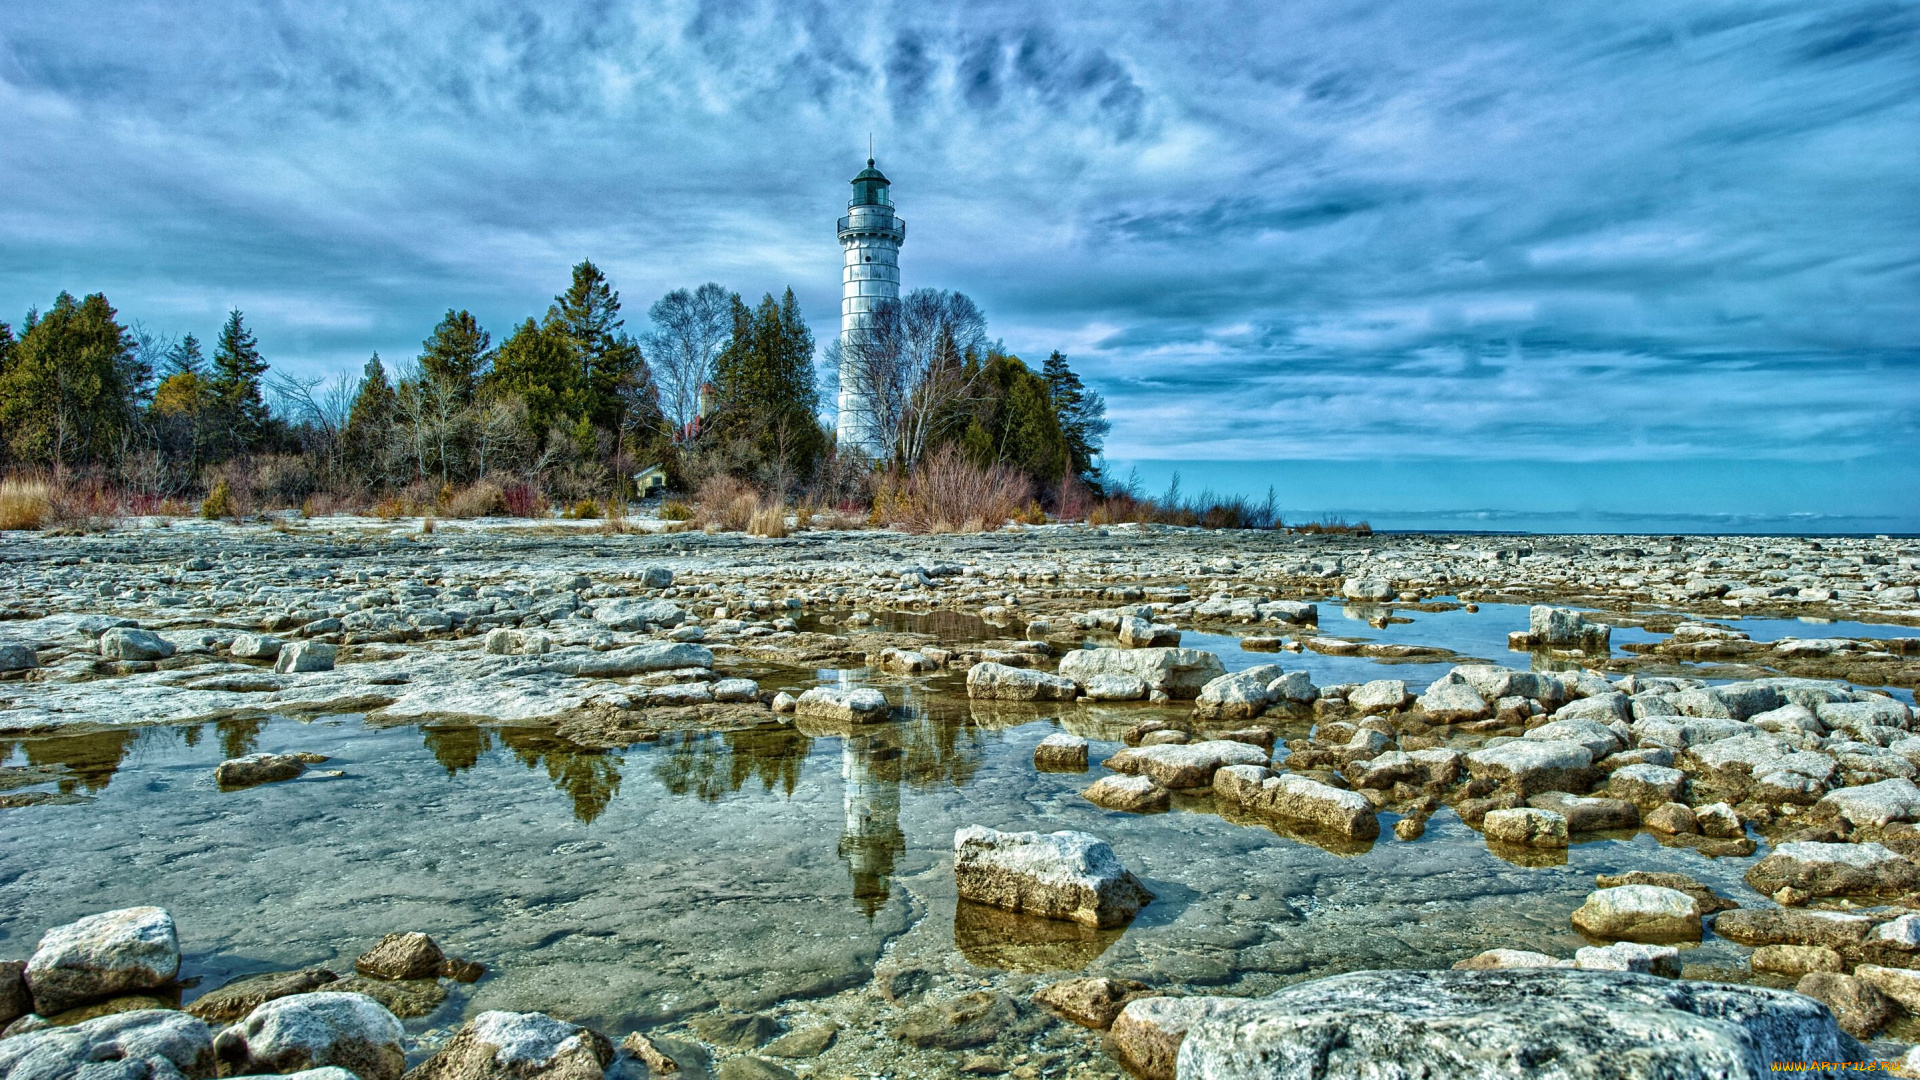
point(744, 868)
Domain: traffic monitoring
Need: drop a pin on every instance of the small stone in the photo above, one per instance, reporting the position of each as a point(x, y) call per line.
point(15, 656)
point(804, 1042)
point(128, 643)
point(255, 646)
point(305, 656)
point(1526, 827)
point(1644, 913)
point(1505, 960)
point(1795, 960)
point(990, 681)
point(256, 769)
point(1719, 820)
point(954, 1024)
point(1132, 794)
point(518, 1046)
point(402, 956)
point(1115, 687)
point(1061, 752)
point(784, 702)
point(103, 956)
point(1902, 985)
point(1661, 960)
point(15, 1000)
point(847, 705)
point(1062, 875)
point(1092, 1002)
point(741, 1031)
point(1673, 819)
point(657, 1061)
point(238, 997)
point(1148, 1032)
point(304, 1031)
point(1861, 1009)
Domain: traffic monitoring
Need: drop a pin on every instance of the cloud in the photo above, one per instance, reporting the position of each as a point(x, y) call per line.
point(1581, 232)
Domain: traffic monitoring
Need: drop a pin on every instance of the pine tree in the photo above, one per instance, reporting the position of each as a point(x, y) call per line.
point(456, 354)
point(606, 359)
point(370, 420)
point(764, 382)
point(539, 364)
point(1082, 413)
point(185, 357)
point(235, 382)
point(64, 394)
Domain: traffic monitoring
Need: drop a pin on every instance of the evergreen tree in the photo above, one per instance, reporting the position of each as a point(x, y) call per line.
point(185, 358)
point(370, 420)
point(764, 381)
point(64, 394)
point(605, 358)
point(539, 364)
point(1082, 414)
point(1014, 422)
point(456, 354)
point(235, 383)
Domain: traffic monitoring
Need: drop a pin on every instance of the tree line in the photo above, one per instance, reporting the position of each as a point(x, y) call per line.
point(569, 404)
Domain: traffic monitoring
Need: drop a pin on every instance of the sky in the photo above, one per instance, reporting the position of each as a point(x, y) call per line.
point(1588, 264)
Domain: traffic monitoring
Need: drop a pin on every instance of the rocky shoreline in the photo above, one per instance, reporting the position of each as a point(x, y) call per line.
point(1671, 707)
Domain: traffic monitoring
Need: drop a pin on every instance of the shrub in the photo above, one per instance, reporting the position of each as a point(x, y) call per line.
point(676, 511)
point(947, 493)
point(727, 503)
point(768, 521)
point(25, 503)
point(219, 502)
point(584, 510)
point(1031, 514)
point(523, 500)
point(482, 499)
point(427, 526)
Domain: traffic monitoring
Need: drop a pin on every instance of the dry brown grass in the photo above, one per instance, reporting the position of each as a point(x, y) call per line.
point(25, 502)
point(726, 503)
point(946, 493)
point(478, 500)
point(769, 521)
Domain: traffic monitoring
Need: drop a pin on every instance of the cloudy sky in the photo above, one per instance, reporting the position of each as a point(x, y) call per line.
point(1610, 257)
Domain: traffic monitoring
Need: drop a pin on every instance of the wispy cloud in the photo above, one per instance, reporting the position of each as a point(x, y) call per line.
point(1582, 231)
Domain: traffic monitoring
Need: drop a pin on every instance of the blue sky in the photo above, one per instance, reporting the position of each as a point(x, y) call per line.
point(1664, 255)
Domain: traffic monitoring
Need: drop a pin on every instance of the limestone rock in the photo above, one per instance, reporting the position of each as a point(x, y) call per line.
point(1795, 960)
point(1902, 985)
point(1148, 1032)
point(305, 656)
point(1816, 869)
point(402, 956)
point(1860, 1009)
point(656, 1059)
point(1295, 687)
point(863, 705)
point(1177, 673)
point(1505, 960)
point(1528, 767)
point(1242, 695)
point(235, 999)
point(1379, 696)
point(255, 769)
point(1062, 752)
point(1137, 633)
point(129, 643)
point(1298, 799)
point(505, 641)
point(16, 656)
point(305, 1031)
point(1647, 786)
point(738, 691)
point(805, 1042)
point(1586, 813)
point(1062, 875)
point(1661, 960)
point(1645, 913)
point(518, 1046)
point(1450, 701)
point(1705, 900)
point(637, 614)
point(998, 682)
point(103, 956)
point(1116, 687)
point(1544, 1024)
point(1133, 794)
point(1756, 927)
point(1877, 805)
point(632, 660)
point(156, 1043)
point(1673, 818)
point(1526, 827)
point(15, 1000)
point(1191, 765)
point(968, 1020)
point(255, 646)
point(1092, 1002)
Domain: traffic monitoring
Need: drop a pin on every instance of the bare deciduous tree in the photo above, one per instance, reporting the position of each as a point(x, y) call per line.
point(690, 329)
point(914, 364)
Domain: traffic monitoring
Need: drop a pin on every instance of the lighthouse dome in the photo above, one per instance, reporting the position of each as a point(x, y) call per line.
point(870, 188)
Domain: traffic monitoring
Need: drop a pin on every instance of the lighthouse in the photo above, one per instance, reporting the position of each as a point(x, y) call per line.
point(870, 236)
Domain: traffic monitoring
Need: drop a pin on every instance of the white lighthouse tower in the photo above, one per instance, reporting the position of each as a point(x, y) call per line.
point(871, 235)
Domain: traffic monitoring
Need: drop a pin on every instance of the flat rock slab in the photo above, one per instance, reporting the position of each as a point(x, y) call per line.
point(1834, 870)
point(1187, 765)
point(1063, 875)
point(1542, 1024)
